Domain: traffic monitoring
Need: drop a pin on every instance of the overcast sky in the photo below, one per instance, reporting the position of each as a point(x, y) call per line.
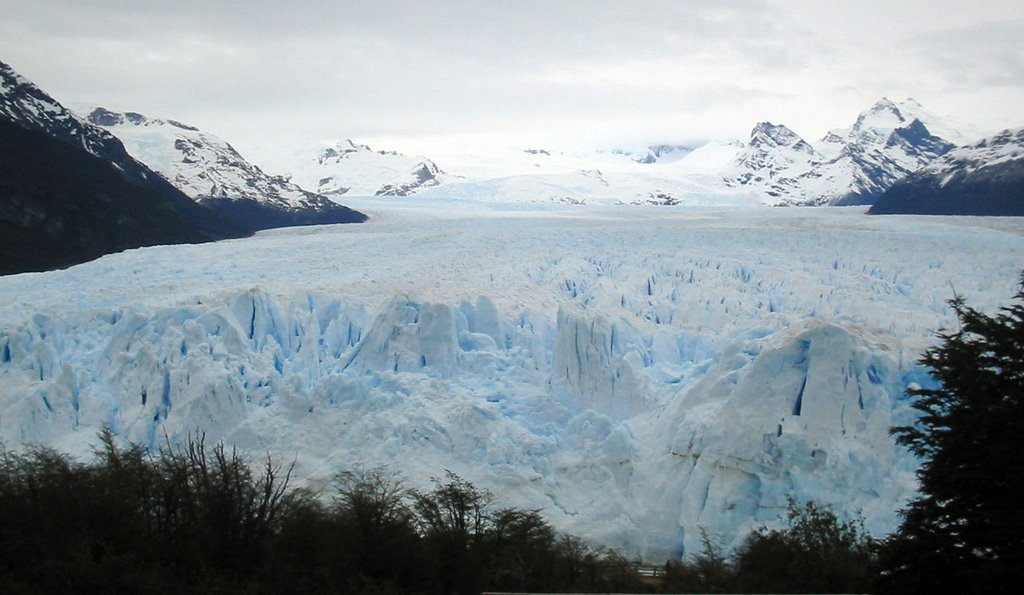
point(568, 73)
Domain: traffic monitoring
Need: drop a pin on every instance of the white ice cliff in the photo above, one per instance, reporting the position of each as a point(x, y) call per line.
point(640, 377)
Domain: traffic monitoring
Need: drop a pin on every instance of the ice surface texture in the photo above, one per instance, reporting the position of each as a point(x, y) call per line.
point(638, 374)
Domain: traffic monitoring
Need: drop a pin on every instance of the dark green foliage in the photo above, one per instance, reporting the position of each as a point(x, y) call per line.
point(453, 520)
point(518, 550)
point(381, 546)
point(199, 519)
point(188, 520)
point(576, 563)
point(708, 572)
point(816, 553)
point(967, 527)
point(619, 574)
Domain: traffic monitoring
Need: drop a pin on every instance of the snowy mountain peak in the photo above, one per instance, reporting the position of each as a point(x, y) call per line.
point(849, 166)
point(773, 160)
point(201, 165)
point(21, 98)
point(28, 106)
point(997, 150)
point(12, 84)
point(356, 169)
point(660, 153)
point(883, 107)
point(346, 149)
point(1008, 137)
point(103, 117)
point(917, 140)
point(876, 124)
point(767, 135)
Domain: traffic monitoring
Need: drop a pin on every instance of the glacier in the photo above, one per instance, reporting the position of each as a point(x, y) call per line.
point(640, 374)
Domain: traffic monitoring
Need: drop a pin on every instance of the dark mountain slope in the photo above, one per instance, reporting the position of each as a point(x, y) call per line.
point(986, 178)
point(61, 206)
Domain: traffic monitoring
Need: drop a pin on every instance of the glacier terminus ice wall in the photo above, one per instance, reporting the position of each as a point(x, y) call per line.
point(641, 379)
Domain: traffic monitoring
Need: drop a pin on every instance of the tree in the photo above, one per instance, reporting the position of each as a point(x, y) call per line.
point(817, 553)
point(453, 520)
point(381, 545)
point(965, 530)
point(520, 546)
point(707, 572)
point(576, 563)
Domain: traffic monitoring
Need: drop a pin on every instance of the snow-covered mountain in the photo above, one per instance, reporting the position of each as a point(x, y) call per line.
point(498, 174)
point(241, 199)
point(983, 178)
point(775, 166)
point(28, 106)
point(655, 153)
point(24, 104)
point(351, 169)
point(598, 186)
point(70, 192)
point(211, 172)
point(775, 161)
point(60, 205)
point(848, 166)
point(199, 164)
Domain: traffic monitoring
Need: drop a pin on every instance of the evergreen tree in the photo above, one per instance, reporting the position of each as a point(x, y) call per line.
point(965, 532)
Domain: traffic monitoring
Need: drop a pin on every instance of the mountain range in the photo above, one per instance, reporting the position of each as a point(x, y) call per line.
point(207, 190)
point(60, 205)
point(775, 166)
point(848, 166)
point(70, 207)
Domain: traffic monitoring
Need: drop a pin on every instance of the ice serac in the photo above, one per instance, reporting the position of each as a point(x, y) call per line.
point(630, 436)
point(592, 365)
point(807, 410)
point(410, 337)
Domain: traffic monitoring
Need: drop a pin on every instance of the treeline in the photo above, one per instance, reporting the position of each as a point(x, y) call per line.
point(815, 553)
point(202, 519)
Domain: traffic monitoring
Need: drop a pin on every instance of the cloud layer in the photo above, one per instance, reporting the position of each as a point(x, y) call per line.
point(568, 71)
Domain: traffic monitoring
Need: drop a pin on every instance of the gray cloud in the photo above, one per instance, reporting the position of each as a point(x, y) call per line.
point(981, 55)
point(384, 68)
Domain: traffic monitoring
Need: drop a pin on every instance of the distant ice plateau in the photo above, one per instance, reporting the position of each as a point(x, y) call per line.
point(639, 374)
